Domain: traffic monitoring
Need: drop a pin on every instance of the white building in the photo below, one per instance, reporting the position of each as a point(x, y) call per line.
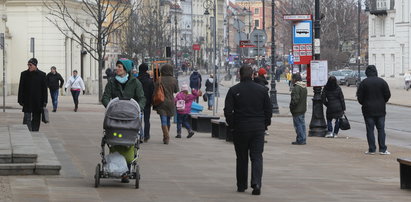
point(390, 37)
point(24, 21)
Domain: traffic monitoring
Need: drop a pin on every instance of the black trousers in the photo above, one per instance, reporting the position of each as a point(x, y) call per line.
point(32, 120)
point(147, 113)
point(250, 143)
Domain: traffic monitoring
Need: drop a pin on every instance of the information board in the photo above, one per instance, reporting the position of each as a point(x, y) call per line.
point(319, 72)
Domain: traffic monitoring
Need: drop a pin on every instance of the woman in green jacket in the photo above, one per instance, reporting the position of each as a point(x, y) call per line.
point(124, 85)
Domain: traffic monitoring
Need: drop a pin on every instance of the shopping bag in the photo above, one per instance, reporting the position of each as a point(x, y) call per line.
point(45, 115)
point(158, 96)
point(205, 97)
point(344, 123)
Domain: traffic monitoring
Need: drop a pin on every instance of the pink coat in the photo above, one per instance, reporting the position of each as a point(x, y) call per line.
point(188, 98)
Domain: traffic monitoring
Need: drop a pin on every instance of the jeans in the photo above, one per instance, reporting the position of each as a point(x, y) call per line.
point(182, 120)
point(336, 126)
point(54, 97)
point(299, 125)
point(165, 120)
point(75, 95)
point(147, 113)
point(379, 123)
point(249, 143)
point(210, 99)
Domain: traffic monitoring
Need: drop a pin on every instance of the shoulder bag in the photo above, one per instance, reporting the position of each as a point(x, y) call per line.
point(158, 96)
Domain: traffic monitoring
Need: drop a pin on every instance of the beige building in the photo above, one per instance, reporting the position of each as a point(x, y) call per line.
point(24, 22)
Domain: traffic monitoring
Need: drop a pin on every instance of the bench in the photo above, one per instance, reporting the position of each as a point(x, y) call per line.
point(220, 130)
point(202, 122)
point(405, 173)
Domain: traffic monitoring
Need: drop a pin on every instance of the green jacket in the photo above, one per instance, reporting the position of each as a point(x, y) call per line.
point(132, 89)
point(298, 104)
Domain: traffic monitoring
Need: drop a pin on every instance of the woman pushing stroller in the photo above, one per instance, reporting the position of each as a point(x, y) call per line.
point(124, 85)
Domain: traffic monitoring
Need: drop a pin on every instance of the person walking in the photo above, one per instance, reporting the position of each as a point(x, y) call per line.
point(124, 85)
point(76, 85)
point(373, 94)
point(209, 91)
point(195, 81)
point(183, 102)
point(298, 107)
point(167, 108)
point(54, 82)
point(148, 88)
point(333, 98)
point(32, 94)
point(248, 112)
point(407, 80)
point(109, 74)
point(261, 78)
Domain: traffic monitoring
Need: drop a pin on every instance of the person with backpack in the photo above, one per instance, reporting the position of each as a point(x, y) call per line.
point(148, 88)
point(209, 91)
point(195, 81)
point(183, 101)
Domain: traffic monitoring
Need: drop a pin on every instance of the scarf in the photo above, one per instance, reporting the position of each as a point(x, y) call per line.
point(122, 80)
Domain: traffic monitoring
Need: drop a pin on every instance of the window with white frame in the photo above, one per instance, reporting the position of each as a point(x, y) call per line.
point(402, 57)
point(392, 27)
point(373, 27)
point(382, 26)
point(374, 59)
point(393, 64)
point(256, 10)
point(382, 5)
point(403, 10)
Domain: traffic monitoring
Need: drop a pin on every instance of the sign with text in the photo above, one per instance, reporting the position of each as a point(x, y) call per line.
point(246, 44)
point(318, 72)
point(297, 17)
point(196, 47)
point(302, 32)
point(302, 53)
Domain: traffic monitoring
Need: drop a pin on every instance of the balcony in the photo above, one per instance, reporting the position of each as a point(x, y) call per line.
point(380, 7)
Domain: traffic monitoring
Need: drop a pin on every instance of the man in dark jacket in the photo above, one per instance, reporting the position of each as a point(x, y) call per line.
point(298, 107)
point(148, 88)
point(32, 94)
point(53, 78)
point(195, 81)
point(248, 112)
point(373, 94)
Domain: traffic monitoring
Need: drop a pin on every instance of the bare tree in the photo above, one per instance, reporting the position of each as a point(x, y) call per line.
point(102, 19)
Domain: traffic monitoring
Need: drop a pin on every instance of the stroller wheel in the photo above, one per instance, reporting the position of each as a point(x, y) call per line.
point(97, 176)
point(137, 176)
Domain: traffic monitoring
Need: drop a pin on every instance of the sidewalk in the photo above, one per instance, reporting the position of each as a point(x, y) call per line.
point(203, 168)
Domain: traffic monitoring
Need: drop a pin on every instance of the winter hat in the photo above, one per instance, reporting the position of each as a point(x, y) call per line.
point(184, 87)
point(33, 61)
point(143, 68)
point(262, 71)
point(127, 64)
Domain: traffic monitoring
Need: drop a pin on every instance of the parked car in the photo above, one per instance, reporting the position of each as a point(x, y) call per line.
point(339, 76)
point(352, 79)
point(345, 73)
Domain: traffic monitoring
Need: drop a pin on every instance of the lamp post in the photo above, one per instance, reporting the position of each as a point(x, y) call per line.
point(175, 41)
point(273, 91)
point(212, 5)
point(359, 43)
point(317, 124)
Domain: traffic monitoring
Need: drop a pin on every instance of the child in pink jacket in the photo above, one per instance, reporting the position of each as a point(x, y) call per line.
point(183, 102)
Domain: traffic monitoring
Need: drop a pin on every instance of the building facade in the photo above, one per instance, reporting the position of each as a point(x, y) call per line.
point(390, 37)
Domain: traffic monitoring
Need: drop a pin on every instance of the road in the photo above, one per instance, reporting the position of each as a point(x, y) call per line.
point(396, 123)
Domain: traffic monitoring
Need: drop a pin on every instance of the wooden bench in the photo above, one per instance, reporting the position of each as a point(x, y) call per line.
point(220, 130)
point(202, 122)
point(405, 173)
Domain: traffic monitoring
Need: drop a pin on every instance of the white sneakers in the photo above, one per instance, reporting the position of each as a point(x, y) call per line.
point(331, 135)
point(381, 153)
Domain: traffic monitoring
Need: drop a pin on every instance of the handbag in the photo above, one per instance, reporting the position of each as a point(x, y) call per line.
point(344, 123)
point(45, 115)
point(205, 97)
point(158, 96)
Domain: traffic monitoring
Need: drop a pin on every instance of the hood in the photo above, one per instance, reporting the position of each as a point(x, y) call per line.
point(301, 83)
point(371, 71)
point(166, 70)
point(127, 64)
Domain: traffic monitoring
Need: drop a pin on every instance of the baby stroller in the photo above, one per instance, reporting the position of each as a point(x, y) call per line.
point(122, 123)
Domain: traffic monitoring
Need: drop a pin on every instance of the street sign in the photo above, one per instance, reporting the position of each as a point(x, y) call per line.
point(246, 44)
point(319, 72)
point(196, 47)
point(290, 59)
point(302, 53)
point(258, 37)
point(297, 17)
point(240, 36)
point(302, 32)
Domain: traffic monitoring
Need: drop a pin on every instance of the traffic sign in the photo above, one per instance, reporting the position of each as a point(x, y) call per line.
point(302, 32)
point(196, 47)
point(246, 44)
point(258, 37)
point(297, 17)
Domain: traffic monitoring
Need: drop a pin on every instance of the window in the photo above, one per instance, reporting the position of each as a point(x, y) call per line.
point(383, 64)
point(256, 10)
point(382, 4)
point(392, 27)
point(402, 57)
point(383, 27)
point(393, 65)
point(403, 10)
point(256, 23)
point(374, 59)
point(373, 27)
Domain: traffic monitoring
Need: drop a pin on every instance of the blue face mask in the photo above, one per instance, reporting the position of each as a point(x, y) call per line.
point(122, 80)
point(135, 75)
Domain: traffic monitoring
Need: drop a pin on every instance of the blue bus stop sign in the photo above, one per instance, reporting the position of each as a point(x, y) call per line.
point(290, 59)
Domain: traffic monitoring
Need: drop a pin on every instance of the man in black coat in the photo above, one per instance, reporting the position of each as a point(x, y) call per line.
point(32, 94)
point(148, 88)
point(54, 82)
point(248, 112)
point(373, 94)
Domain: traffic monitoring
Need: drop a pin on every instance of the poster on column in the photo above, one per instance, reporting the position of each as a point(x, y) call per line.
point(319, 72)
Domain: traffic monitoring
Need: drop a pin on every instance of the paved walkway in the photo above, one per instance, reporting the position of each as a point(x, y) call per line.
point(203, 168)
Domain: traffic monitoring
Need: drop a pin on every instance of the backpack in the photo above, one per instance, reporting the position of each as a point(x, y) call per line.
point(181, 105)
point(195, 81)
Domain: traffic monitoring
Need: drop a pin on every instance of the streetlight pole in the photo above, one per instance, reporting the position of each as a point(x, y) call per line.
point(317, 124)
point(273, 91)
point(215, 57)
point(359, 42)
point(175, 42)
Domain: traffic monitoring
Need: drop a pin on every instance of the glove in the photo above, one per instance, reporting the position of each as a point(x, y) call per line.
point(65, 89)
point(84, 92)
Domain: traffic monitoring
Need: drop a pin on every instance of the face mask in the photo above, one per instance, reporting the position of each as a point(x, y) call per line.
point(122, 80)
point(135, 75)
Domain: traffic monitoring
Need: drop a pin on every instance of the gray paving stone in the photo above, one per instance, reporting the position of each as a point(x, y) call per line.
point(5, 147)
point(47, 162)
point(23, 149)
point(17, 169)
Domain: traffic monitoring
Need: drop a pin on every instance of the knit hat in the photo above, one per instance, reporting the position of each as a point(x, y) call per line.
point(184, 87)
point(127, 64)
point(143, 68)
point(33, 61)
point(262, 71)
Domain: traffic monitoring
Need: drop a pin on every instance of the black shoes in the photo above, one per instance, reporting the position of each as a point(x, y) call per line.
point(256, 190)
point(178, 136)
point(190, 134)
point(54, 110)
point(298, 143)
point(241, 189)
